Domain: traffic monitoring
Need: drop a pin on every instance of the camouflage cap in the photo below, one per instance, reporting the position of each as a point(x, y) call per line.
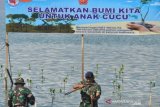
point(19, 81)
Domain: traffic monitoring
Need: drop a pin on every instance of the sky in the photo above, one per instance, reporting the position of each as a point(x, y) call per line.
point(22, 7)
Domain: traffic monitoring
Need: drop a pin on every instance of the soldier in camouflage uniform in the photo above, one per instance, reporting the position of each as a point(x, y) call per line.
point(20, 96)
point(90, 91)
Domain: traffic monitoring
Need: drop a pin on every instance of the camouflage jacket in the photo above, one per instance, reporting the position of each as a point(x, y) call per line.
point(18, 96)
point(89, 90)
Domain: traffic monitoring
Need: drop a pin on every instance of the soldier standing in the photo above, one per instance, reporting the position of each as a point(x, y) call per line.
point(20, 96)
point(90, 91)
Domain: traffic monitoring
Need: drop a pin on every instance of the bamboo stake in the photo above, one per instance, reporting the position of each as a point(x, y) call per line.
point(82, 57)
point(150, 98)
point(6, 66)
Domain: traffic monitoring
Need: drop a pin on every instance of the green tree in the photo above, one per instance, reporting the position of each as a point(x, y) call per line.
point(52, 21)
point(10, 17)
point(33, 18)
point(45, 22)
point(68, 23)
point(20, 17)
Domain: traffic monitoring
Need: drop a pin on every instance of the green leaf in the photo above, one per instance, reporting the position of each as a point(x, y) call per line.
point(50, 90)
point(152, 84)
point(119, 86)
point(19, 73)
point(60, 90)
point(53, 91)
point(114, 81)
point(27, 80)
point(29, 67)
point(30, 81)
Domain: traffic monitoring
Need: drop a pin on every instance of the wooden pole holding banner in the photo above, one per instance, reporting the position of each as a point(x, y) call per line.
point(82, 57)
point(6, 65)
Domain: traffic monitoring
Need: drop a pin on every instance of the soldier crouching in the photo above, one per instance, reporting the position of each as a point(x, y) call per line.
point(20, 96)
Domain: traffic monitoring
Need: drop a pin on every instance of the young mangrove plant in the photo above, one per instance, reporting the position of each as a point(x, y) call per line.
point(29, 67)
point(42, 76)
point(121, 73)
point(96, 72)
point(60, 91)
point(152, 84)
point(29, 82)
point(20, 73)
point(115, 80)
point(53, 94)
point(143, 3)
point(144, 9)
point(64, 83)
point(72, 68)
point(118, 81)
point(97, 67)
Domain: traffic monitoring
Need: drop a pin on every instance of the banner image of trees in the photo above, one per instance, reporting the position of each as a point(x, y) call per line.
point(24, 23)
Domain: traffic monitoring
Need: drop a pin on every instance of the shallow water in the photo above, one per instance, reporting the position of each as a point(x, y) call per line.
point(60, 55)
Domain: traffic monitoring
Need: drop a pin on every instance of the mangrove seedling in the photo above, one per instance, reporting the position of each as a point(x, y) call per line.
point(144, 2)
point(97, 67)
point(29, 81)
point(42, 76)
point(19, 73)
point(96, 73)
point(72, 69)
point(152, 84)
point(64, 83)
point(114, 86)
point(144, 9)
point(121, 72)
point(118, 81)
point(60, 90)
point(29, 67)
point(52, 93)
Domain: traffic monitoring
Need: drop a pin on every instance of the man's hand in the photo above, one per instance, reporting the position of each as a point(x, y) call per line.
point(29, 95)
point(81, 85)
point(93, 98)
point(96, 97)
point(155, 29)
point(138, 27)
point(31, 99)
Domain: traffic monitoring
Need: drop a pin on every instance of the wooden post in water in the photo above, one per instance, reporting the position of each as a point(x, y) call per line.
point(150, 100)
point(82, 57)
point(150, 97)
point(6, 65)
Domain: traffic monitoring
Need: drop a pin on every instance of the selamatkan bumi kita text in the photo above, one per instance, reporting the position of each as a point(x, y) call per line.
point(83, 13)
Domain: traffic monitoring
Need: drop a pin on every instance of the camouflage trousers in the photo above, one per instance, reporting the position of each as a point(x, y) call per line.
point(83, 104)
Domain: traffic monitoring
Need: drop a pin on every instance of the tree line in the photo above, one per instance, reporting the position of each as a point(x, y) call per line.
point(24, 23)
